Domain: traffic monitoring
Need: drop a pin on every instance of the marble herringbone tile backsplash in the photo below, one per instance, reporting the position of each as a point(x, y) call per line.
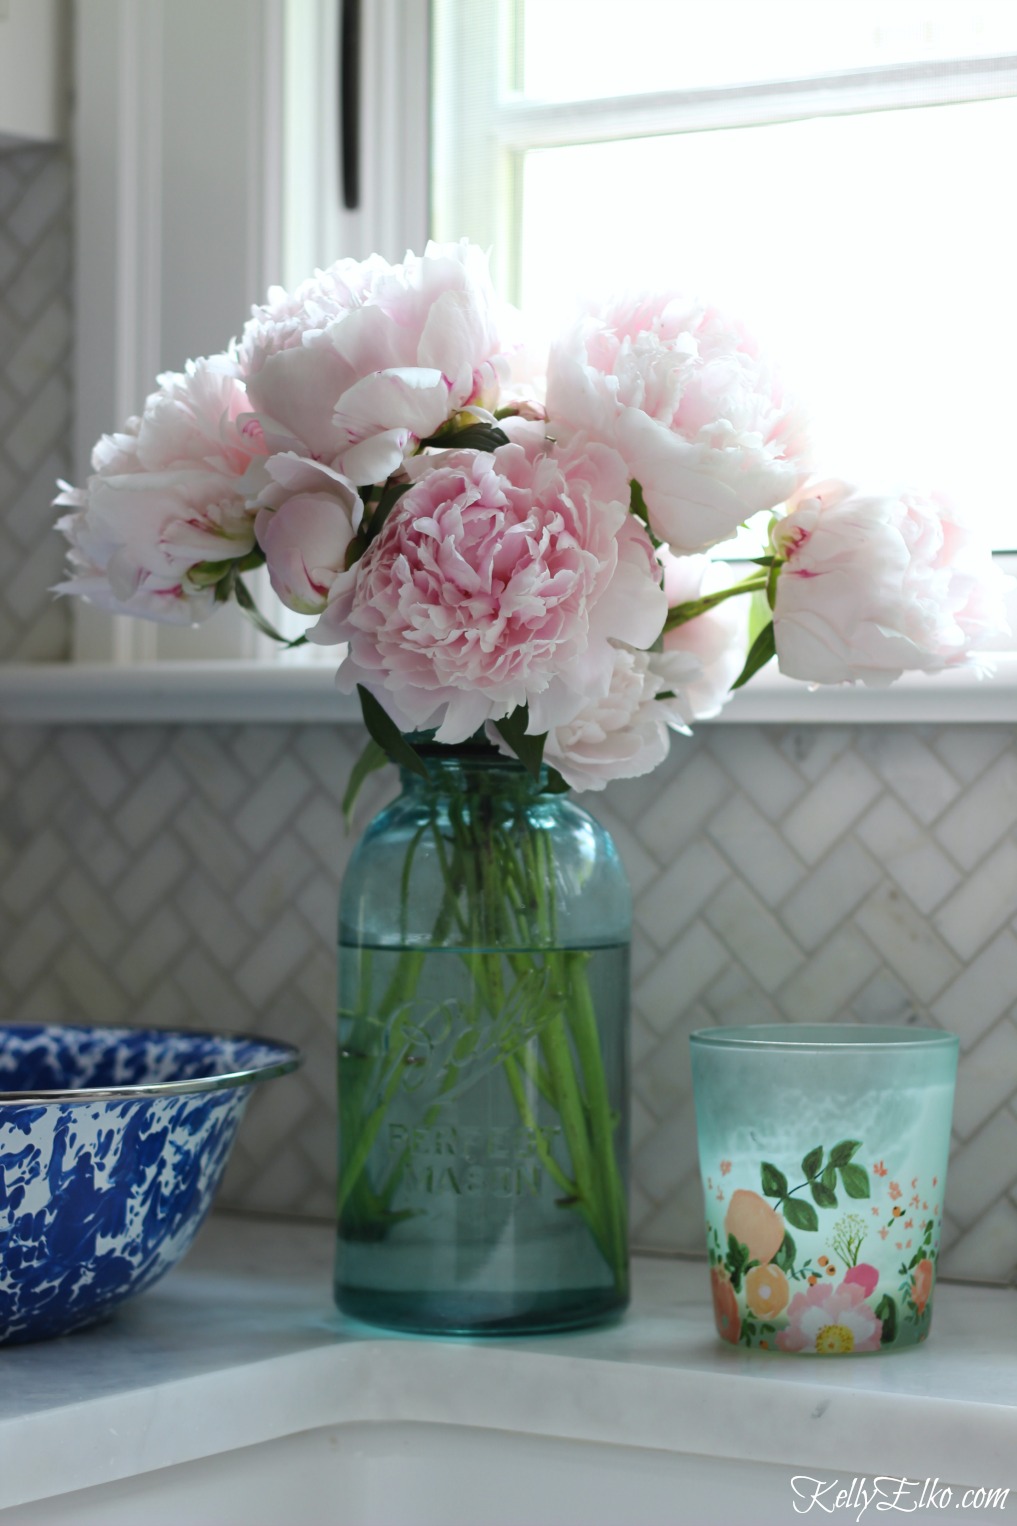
point(189, 874)
point(35, 396)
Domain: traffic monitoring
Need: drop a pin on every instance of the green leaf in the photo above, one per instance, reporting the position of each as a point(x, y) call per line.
point(854, 1180)
point(759, 615)
point(372, 758)
point(390, 496)
point(800, 1215)
point(830, 1177)
point(822, 1196)
point(886, 1310)
point(812, 1162)
point(242, 594)
point(528, 749)
point(555, 785)
point(478, 436)
point(844, 1152)
point(785, 1257)
point(383, 729)
point(774, 1181)
point(762, 649)
point(637, 503)
point(736, 1261)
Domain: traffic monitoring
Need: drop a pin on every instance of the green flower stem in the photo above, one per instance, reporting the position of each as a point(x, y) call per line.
point(536, 1073)
point(558, 1056)
point(548, 1161)
point(356, 1124)
point(693, 608)
point(367, 1133)
point(499, 900)
point(583, 1025)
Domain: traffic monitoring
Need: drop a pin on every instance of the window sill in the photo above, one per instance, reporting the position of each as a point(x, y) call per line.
point(275, 693)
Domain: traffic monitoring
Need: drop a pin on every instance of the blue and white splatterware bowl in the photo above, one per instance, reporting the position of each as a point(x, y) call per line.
point(112, 1144)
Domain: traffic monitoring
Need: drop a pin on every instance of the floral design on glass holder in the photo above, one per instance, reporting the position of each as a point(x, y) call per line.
point(823, 1150)
point(838, 1262)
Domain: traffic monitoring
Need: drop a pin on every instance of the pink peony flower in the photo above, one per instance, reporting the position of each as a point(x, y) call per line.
point(702, 658)
point(685, 396)
point(366, 359)
point(621, 735)
point(173, 490)
point(308, 519)
point(103, 577)
point(498, 580)
point(200, 417)
point(831, 1321)
point(877, 584)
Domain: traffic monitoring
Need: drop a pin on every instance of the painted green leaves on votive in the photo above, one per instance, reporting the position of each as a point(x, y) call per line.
point(823, 1170)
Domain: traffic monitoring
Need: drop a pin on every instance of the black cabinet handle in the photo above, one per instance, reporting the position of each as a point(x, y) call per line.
point(349, 102)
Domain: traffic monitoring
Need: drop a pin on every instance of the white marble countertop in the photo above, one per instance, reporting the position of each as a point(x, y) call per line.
point(241, 1345)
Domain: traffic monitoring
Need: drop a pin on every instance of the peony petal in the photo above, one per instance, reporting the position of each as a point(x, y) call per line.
point(692, 505)
point(299, 388)
point(375, 459)
point(410, 397)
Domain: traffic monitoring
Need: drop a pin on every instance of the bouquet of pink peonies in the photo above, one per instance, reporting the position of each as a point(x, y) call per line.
point(509, 567)
point(517, 556)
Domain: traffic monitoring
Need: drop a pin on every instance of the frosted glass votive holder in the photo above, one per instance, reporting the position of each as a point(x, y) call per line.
point(823, 1152)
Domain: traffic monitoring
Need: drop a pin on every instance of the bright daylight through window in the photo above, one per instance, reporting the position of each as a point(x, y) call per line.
point(831, 170)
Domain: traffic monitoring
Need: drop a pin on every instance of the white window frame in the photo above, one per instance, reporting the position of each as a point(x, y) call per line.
point(267, 211)
point(128, 270)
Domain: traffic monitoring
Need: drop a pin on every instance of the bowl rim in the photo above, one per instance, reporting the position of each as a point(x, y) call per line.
point(287, 1058)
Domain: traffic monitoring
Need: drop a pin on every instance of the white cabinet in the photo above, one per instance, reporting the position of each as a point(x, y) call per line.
point(31, 71)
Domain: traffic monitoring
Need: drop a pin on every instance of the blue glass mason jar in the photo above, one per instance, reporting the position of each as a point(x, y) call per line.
point(484, 938)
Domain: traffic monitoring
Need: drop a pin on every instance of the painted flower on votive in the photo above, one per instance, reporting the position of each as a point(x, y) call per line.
point(725, 1306)
point(831, 1321)
point(702, 657)
point(865, 1275)
point(921, 1284)
point(686, 397)
point(366, 359)
point(498, 580)
point(754, 1224)
point(876, 584)
point(766, 1291)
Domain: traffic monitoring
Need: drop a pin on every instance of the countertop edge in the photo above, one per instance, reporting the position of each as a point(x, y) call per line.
point(657, 1381)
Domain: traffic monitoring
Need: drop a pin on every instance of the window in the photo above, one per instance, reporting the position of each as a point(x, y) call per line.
point(833, 172)
point(831, 169)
